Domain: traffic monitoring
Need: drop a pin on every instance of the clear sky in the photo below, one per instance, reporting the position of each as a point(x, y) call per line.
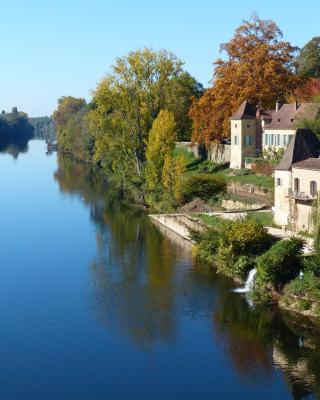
point(51, 48)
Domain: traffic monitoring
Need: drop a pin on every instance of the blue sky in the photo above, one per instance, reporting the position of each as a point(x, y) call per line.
point(64, 47)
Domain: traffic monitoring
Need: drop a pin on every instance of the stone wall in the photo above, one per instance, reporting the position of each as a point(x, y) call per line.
point(178, 223)
point(230, 204)
point(218, 153)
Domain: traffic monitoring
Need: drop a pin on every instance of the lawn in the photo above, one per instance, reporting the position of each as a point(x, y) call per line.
point(244, 177)
point(197, 166)
point(265, 217)
point(211, 220)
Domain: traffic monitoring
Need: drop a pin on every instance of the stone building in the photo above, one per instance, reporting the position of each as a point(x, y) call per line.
point(297, 179)
point(254, 130)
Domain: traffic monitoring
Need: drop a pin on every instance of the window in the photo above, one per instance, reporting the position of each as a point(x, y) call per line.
point(248, 126)
point(236, 140)
point(279, 183)
point(248, 140)
point(235, 125)
point(278, 140)
point(281, 140)
point(313, 188)
point(297, 184)
point(272, 139)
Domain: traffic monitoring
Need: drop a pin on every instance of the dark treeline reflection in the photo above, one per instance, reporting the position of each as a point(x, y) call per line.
point(144, 286)
point(15, 132)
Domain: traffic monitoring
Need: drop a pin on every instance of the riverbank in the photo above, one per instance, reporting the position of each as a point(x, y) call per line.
point(182, 224)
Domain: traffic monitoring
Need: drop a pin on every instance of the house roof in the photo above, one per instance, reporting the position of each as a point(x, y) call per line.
point(245, 111)
point(303, 145)
point(309, 163)
point(289, 115)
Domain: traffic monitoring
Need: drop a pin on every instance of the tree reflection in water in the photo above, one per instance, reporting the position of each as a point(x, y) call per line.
point(140, 290)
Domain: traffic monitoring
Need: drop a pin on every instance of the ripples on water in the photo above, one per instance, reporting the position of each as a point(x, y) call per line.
point(97, 302)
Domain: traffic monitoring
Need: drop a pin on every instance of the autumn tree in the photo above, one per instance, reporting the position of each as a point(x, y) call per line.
point(160, 143)
point(309, 91)
point(172, 176)
point(259, 66)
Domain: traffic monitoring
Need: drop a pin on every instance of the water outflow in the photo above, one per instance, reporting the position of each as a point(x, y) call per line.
point(248, 287)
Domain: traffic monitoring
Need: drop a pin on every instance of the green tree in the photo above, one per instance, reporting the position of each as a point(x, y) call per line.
point(72, 128)
point(127, 101)
point(308, 60)
point(161, 142)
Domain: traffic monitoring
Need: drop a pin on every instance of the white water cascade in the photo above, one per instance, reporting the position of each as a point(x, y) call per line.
point(249, 283)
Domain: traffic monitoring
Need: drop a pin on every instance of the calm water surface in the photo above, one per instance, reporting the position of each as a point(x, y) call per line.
point(97, 303)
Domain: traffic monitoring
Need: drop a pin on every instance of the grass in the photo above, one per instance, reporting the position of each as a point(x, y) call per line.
point(211, 220)
point(265, 217)
point(266, 182)
point(196, 165)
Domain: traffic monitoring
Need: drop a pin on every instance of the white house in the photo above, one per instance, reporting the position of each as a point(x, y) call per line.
point(254, 130)
point(297, 179)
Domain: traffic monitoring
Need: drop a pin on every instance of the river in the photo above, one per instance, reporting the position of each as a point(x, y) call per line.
point(97, 303)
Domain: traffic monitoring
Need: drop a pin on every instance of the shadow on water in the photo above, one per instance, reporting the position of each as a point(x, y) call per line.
point(145, 282)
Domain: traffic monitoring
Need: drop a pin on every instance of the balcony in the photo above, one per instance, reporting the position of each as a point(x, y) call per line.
point(297, 195)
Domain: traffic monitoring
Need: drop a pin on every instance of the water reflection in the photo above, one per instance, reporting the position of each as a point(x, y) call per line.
point(14, 150)
point(143, 285)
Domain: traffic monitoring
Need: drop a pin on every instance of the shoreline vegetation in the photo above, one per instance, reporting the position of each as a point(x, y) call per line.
point(148, 102)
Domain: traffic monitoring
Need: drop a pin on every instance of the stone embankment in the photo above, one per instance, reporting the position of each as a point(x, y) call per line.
point(179, 223)
point(182, 223)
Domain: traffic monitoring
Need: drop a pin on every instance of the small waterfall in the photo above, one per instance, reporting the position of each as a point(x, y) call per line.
point(248, 287)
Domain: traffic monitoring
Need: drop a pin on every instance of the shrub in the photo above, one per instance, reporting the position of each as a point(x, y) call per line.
point(308, 287)
point(204, 186)
point(281, 263)
point(245, 237)
point(207, 243)
point(233, 245)
point(242, 266)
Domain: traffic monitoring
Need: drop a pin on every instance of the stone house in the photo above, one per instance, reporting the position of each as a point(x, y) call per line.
point(254, 130)
point(297, 179)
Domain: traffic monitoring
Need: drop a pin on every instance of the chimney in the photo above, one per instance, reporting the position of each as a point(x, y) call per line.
point(258, 112)
point(278, 105)
point(296, 105)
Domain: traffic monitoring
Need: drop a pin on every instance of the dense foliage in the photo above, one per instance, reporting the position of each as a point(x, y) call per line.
point(160, 143)
point(72, 128)
point(309, 59)
point(233, 245)
point(259, 67)
point(128, 100)
point(281, 263)
point(203, 186)
point(44, 128)
point(15, 130)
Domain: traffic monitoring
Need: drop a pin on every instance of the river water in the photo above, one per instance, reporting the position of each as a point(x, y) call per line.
point(97, 303)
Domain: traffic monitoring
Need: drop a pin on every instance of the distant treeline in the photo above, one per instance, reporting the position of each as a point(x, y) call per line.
point(44, 128)
point(15, 130)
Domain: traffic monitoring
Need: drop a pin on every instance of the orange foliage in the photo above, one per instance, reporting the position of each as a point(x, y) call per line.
point(259, 68)
point(309, 90)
